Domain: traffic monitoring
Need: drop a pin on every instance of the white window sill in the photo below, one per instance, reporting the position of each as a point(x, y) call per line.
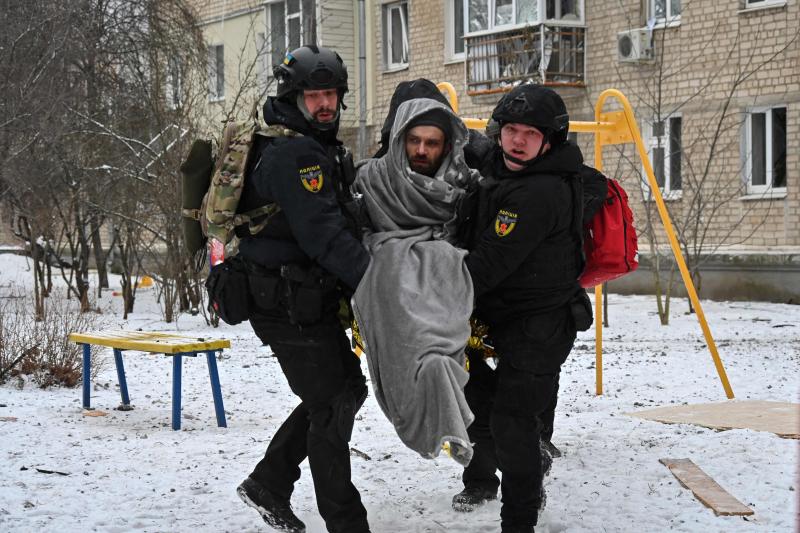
point(752, 9)
point(454, 60)
point(395, 68)
point(215, 99)
point(775, 194)
point(577, 23)
point(673, 23)
point(669, 196)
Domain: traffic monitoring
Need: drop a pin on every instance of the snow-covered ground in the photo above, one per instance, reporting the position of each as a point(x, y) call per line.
point(129, 471)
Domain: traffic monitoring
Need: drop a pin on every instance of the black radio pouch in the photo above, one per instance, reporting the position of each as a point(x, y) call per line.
point(265, 290)
point(304, 294)
point(581, 309)
point(305, 304)
point(229, 291)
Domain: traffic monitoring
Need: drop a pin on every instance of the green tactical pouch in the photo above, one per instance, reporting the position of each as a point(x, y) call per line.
point(196, 173)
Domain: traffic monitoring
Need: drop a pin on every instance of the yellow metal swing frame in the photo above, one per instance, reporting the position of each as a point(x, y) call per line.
point(619, 127)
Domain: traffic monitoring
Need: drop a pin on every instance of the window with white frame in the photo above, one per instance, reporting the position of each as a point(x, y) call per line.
point(665, 11)
point(748, 4)
point(292, 23)
point(666, 152)
point(765, 150)
point(455, 22)
point(483, 15)
point(395, 31)
point(173, 86)
point(289, 24)
point(216, 72)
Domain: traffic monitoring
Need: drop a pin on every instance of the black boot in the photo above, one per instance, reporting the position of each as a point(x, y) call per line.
point(275, 511)
point(469, 498)
point(550, 447)
point(517, 529)
point(547, 459)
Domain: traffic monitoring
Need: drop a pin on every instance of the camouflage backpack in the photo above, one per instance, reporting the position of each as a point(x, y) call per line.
point(212, 186)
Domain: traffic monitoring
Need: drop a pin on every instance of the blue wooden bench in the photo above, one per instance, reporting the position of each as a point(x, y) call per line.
point(169, 344)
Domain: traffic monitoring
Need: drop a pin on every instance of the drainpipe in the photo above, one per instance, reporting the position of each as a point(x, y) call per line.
point(362, 81)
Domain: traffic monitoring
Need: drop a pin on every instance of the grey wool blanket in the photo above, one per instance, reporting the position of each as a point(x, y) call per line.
point(414, 302)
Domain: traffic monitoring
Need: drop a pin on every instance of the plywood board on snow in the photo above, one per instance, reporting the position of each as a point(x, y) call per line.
point(705, 489)
point(781, 418)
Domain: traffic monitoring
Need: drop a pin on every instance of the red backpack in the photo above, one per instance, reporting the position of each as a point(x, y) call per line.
point(610, 240)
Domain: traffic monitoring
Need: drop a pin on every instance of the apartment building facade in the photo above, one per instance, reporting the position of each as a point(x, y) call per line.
point(715, 87)
point(245, 38)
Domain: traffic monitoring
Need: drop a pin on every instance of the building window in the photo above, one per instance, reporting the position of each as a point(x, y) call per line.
point(748, 4)
point(174, 85)
point(486, 15)
point(513, 41)
point(665, 11)
point(765, 150)
point(455, 22)
point(395, 28)
point(666, 152)
point(564, 10)
point(216, 72)
point(292, 23)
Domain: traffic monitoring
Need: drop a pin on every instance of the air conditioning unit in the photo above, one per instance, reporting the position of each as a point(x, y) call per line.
point(635, 45)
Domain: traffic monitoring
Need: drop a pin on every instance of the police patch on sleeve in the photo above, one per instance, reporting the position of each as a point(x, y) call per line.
point(505, 223)
point(311, 177)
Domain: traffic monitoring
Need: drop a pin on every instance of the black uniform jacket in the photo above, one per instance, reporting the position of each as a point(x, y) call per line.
point(301, 175)
point(525, 258)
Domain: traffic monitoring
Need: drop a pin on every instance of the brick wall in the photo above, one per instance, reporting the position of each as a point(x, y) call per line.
point(714, 44)
point(701, 60)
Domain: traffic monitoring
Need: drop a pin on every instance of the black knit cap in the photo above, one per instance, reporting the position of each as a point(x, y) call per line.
point(406, 90)
point(434, 117)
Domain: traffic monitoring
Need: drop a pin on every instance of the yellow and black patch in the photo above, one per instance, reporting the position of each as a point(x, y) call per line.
point(311, 177)
point(505, 223)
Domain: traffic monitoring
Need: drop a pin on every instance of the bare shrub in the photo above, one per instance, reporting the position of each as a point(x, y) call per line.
point(41, 351)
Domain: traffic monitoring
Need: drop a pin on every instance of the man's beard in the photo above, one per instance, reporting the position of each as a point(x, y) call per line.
point(426, 167)
point(330, 112)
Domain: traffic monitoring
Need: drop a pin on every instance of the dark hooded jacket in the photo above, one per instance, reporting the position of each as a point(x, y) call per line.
point(311, 226)
point(475, 151)
point(525, 256)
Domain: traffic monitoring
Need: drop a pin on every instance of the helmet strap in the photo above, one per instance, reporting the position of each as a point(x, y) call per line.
point(529, 162)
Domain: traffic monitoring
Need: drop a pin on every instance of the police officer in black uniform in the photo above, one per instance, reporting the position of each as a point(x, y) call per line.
point(525, 260)
point(301, 264)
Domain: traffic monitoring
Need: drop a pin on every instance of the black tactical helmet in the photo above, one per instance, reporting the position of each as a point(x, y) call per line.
point(537, 106)
point(492, 129)
point(310, 67)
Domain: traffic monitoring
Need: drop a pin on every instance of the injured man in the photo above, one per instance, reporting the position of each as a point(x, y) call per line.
point(414, 303)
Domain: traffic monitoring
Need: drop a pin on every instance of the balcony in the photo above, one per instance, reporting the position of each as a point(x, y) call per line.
point(550, 55)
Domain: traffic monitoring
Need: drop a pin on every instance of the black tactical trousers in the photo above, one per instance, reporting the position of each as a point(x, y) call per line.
point(508, 404)
point(326, 375)
point(549, 415)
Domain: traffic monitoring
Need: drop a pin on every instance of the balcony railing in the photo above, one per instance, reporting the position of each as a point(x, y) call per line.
point(551, 55)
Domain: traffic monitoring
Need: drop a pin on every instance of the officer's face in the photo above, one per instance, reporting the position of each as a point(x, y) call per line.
point(322, 104)
point(425, 147)
point(521, 141)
